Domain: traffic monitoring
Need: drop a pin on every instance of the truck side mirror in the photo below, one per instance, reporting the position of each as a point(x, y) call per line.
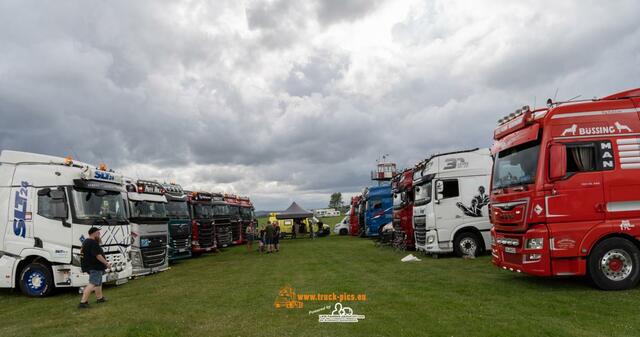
point(44, 192)
point(557, 162)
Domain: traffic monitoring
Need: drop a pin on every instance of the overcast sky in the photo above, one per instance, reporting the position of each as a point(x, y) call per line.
point(292, 100)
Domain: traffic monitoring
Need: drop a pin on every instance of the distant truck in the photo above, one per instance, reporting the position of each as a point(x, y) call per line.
point(565, 194)
point(450, 212)
point(402, 188)
point(223, 226)
point(47, 205)
point(235, 218)
point(179, 222)
point(202, 232)
point(379, 209)
point(353, 215)
point(325, 212)
point(247, 214)
point(149, 226)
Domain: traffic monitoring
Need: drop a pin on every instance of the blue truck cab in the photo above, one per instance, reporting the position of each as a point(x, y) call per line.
point(379, 209)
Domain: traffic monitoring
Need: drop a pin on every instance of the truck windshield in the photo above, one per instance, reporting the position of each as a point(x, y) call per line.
point(94, 204)
point(423, 193)
point(245, 212)
point(178, 209)
point(148, 209)
point(202, 211)
point(220, 210)
point(234, 210)
point(516, 166)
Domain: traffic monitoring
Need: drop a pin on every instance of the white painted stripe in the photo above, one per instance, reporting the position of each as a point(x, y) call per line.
point(623, 154)
point(594, 113)
point(628, 147)
point(628, 141)
point(599, 136)
point(623, 206)
point(630, 166)
point(630, 160)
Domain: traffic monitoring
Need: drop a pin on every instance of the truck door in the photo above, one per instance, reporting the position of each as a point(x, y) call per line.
point(576, 203)
point(446, 211)
point(52, 230)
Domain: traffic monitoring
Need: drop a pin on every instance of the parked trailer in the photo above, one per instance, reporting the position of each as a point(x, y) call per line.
point(402, 188)
point(450, 212)
point(149, 226)
point(179, 222)
point(222, 221)
point(202, 231)
point(47, 205)
point(564, 194)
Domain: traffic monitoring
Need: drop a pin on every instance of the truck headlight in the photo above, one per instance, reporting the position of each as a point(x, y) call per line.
point(431, 239)
point(535, 243)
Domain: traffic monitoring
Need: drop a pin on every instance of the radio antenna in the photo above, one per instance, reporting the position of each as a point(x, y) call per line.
point(556, 94)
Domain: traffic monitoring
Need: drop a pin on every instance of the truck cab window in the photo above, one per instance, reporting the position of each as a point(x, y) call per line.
point(52, 207)
point(581, 157)
point(450, 189)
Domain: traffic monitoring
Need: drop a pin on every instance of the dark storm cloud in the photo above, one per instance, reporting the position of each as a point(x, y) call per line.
point(292, 100)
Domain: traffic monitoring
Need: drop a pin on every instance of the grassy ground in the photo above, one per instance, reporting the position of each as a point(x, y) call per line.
point(232, 294)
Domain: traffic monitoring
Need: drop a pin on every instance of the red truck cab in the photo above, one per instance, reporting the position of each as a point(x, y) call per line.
point(565, 190)
point(353, 215)
point(402, 188)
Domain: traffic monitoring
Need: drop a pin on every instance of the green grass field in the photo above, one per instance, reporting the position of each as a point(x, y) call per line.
point(233, 293)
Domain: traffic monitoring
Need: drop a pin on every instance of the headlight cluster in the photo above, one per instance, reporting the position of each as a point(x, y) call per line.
point(508, 242)
point(431, 239)
point(535, 243)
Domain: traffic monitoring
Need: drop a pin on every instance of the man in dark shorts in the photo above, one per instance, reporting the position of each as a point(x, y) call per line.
point(268, 236)
point(276, 236)
point(94, 263)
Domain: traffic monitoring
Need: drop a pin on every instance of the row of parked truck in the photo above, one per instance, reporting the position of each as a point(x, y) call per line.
point(47, 205)
point(558, 194)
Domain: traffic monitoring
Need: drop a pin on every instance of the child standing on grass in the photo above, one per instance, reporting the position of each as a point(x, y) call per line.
point(261, 248)
point(250, 235)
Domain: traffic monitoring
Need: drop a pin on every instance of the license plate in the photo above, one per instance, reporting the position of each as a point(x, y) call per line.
point(122, 281)
point(511, 250)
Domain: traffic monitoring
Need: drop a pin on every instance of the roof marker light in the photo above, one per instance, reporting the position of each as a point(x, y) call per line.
point(68, 161)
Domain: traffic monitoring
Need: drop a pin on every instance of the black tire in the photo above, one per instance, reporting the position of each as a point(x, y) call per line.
point(36, 280)
point(467, 244)
point(609, 255)
point(344, 231)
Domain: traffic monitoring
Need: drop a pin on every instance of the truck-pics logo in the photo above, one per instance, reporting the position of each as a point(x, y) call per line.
point(574, 130)
point(20, 211)
point(288, 298)
point(340, 314)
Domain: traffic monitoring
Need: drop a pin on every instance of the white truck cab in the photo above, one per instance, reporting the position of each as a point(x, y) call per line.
point(343, 227)
point(450, 213)
point(149, 219)
point(47, 205)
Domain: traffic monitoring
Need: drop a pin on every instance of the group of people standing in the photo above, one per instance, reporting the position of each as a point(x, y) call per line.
point(269, 237)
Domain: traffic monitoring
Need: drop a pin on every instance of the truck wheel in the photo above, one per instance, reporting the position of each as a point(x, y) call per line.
point(614, 264)
point(344, 231)
point(36, 280)
point(466, 244)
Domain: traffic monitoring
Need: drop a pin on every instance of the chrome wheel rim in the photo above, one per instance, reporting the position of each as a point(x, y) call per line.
point(616, 265)
point(468, 246)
